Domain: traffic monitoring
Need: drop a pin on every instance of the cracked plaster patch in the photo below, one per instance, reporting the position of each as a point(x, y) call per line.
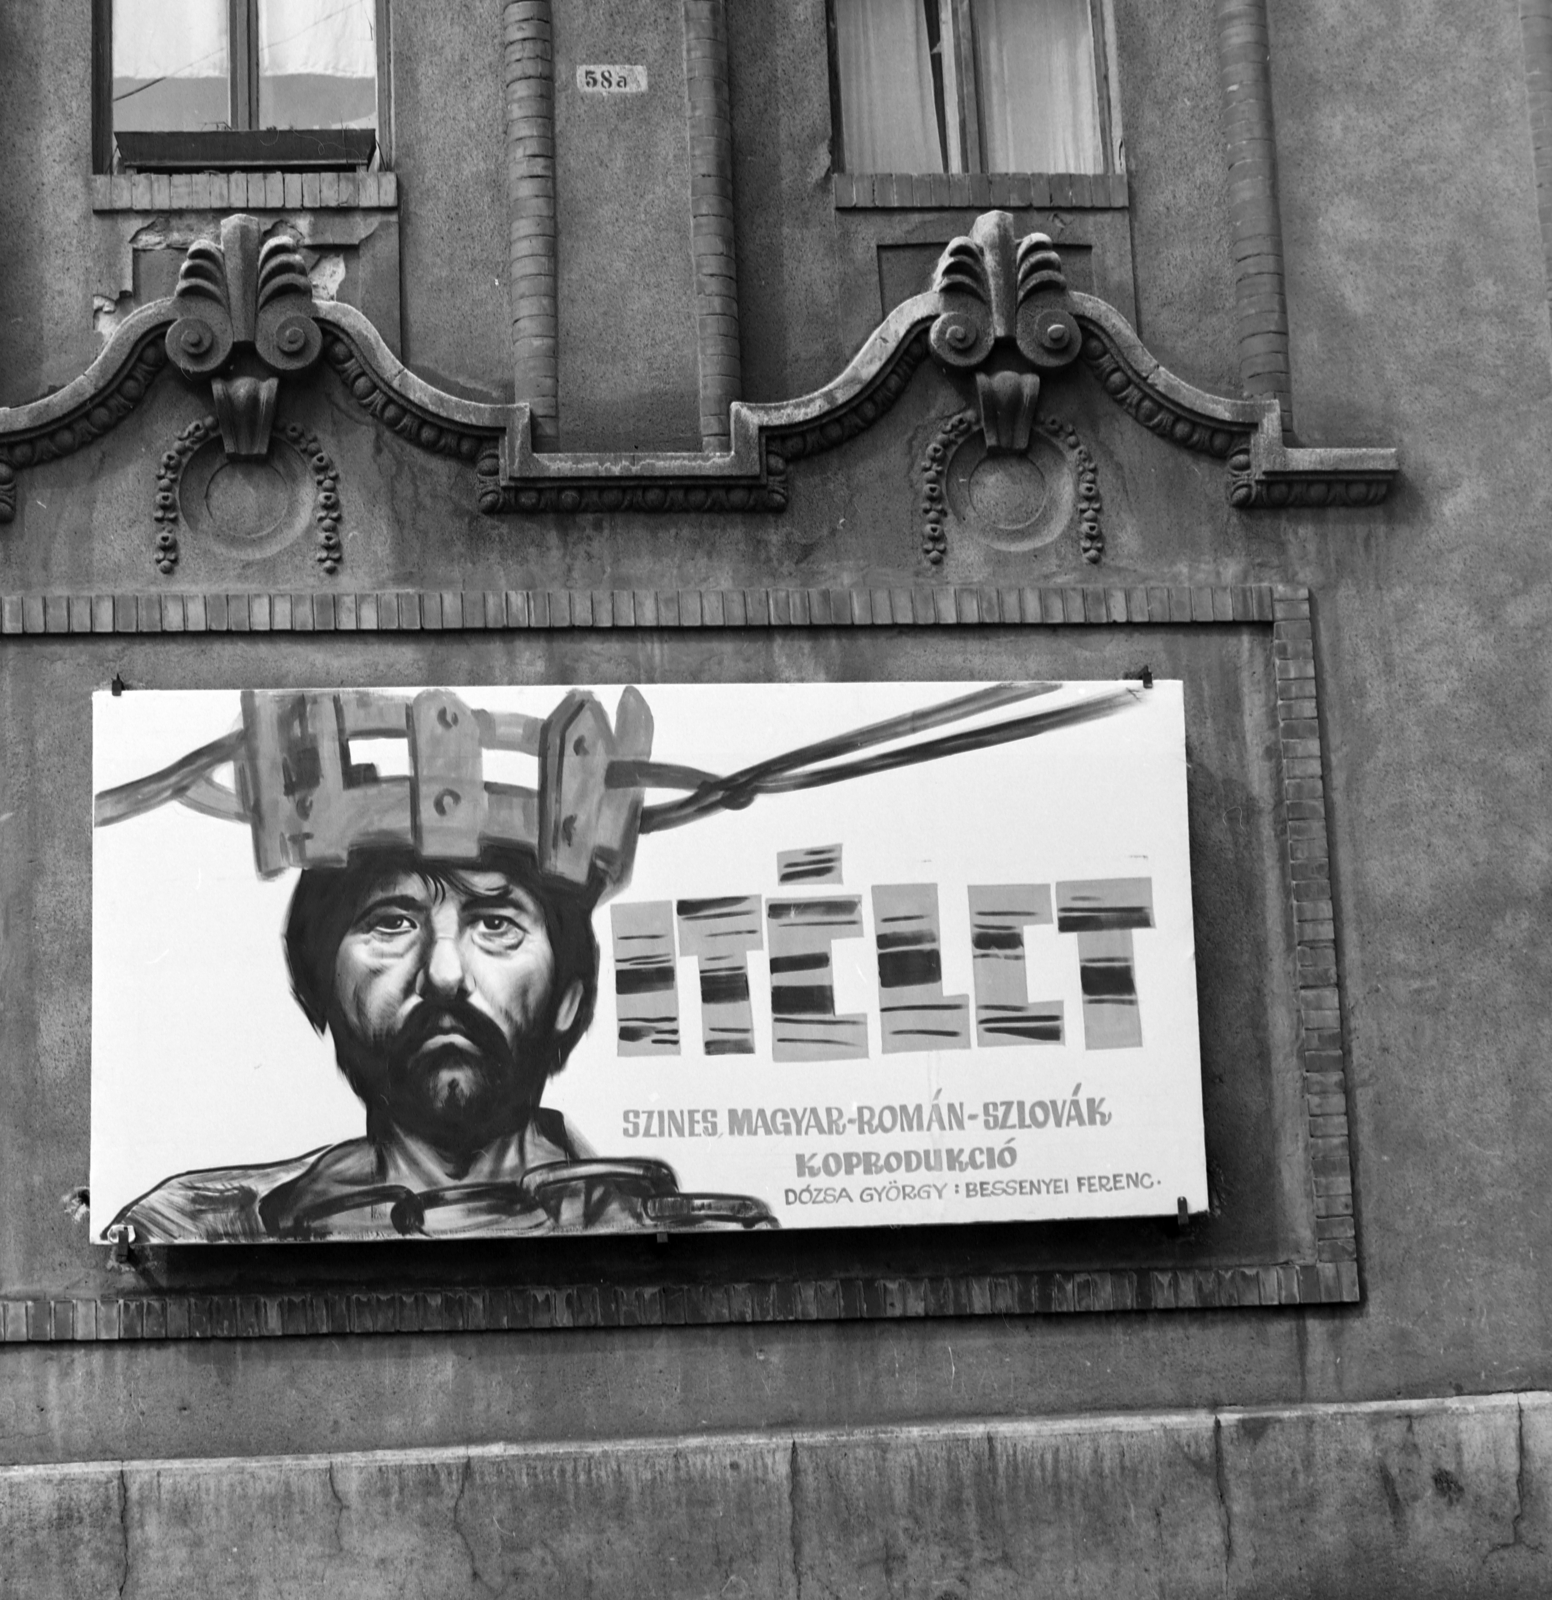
point(107, 314)
point(326, 275)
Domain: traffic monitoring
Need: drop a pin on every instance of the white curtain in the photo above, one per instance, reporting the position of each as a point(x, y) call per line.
point(888, 120)
point(1035, 75)
point(333, 38)
point(169, 39)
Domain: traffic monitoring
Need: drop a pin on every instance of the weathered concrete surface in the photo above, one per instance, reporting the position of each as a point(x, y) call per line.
point(449, 152)
point(1175, 166)
point(1419, 1499)
point(625, 286)
point(45, 200)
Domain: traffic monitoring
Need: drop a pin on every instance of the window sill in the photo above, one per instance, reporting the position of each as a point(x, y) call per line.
point(980, 191)
point(245, 191)
point(244, 149)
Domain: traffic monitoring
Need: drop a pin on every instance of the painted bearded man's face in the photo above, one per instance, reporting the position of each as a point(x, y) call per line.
point(444, 1013)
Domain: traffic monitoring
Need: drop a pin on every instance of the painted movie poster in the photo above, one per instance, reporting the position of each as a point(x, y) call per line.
point(400, 963)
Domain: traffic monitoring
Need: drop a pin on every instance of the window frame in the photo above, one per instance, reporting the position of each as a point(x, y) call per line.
point(243, 75)
point(957, 55)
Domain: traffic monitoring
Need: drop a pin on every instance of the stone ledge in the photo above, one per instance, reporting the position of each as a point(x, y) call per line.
point(245, 191)
point(1010, 191)
point(1415, 1499)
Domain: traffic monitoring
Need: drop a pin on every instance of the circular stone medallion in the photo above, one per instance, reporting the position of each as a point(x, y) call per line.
point(248, 508)
point(1008, 492)
point(1012, 502)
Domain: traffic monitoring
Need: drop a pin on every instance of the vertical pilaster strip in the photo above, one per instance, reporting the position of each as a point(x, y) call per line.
point(1260, 301)
point(1536, 25)
point(711, 217)
point(1318, 976)
point(528, 35)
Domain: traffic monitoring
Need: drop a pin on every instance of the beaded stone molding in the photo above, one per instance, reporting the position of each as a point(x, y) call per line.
point(300, 456)
point(1016, 515)
point(659, 1295)
point(999, 315)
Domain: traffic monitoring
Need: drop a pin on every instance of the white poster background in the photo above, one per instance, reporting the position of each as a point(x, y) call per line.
point(201, 1058)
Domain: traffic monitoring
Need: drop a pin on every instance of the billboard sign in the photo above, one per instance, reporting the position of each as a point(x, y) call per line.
point(451, 962)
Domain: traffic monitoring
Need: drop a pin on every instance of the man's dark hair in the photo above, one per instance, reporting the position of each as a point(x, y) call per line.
point(326, 899)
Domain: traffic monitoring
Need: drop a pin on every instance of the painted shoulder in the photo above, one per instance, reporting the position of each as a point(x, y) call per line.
point(219, 1205)
point(554, 1127)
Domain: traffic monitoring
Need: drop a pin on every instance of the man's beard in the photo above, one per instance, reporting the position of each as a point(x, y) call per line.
point(461, 1092)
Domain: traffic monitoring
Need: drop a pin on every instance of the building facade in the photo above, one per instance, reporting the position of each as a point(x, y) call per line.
point(702, 341)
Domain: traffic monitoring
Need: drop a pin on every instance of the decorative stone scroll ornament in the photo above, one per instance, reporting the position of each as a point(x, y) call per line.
point(1002, 318)
point(999, 311)
point(1004, 321)
point(999, 315)
point(244, 321)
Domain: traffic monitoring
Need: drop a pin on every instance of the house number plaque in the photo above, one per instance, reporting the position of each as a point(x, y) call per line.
point(612, 80)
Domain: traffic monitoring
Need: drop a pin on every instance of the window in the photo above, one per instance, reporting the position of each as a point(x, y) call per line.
point(219, 83)
point(927, 86)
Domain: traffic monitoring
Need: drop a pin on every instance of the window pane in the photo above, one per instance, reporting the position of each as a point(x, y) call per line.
point(170, 65)
point(317, 63)
point(889, 123)
point(1035, 74)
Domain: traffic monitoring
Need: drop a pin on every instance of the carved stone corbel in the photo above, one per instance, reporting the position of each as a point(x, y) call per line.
point(1002, 317)
point(244, 319)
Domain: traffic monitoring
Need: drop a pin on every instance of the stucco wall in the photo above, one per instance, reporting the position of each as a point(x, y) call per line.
point(1418, 310)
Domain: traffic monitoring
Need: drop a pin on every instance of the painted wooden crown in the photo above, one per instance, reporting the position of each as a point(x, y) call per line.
point(306, 788)
point(303, 785)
